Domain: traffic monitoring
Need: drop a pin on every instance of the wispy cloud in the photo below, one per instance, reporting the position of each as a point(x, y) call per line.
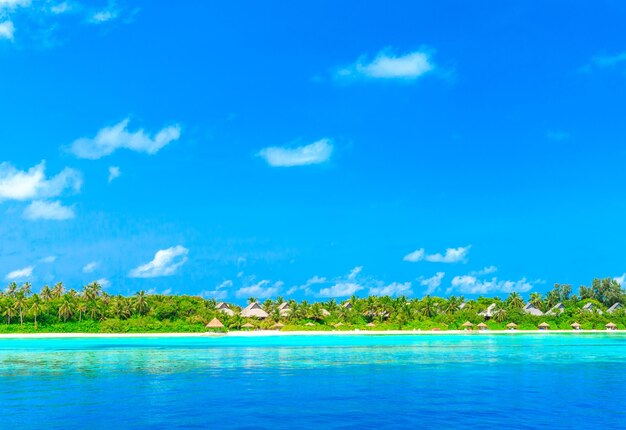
point(107, 14)
point(32, 184)
point(387, 65)
point(604, 62)
point(165, 263)
point(114, 173)
point(49, 259)
point(468, 284)
point(314, 153)
point(262, 290)
point(53, 210)
point(306, 287)
point(7, 30)
point(341, 289)
point(90, 267)
point(393, 289)
point(484, 271)
point(432, 284)
point(110, 139)
point(20, 274)
point(452, 255)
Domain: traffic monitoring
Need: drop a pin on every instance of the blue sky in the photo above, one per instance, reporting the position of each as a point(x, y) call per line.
point(236, 149)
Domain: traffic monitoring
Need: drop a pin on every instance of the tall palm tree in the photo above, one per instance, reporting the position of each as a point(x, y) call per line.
point(65, 309)
point(20, 302)
point(535, 300)
point(11, 289)
point(10, 311)
point(515, 300)
point(46, 293)
point(141, 303)
point(26, 288)
point(36, 307)
point(57, 290)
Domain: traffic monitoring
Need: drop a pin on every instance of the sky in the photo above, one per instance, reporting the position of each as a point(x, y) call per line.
point(312, 150)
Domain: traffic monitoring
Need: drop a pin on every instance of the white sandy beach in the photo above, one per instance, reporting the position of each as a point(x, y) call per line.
point(273, 333)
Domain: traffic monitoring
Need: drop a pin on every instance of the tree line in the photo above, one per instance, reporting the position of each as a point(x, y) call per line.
point(91, 309)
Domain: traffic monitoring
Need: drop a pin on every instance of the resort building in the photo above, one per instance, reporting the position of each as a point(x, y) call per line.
point(253, 310)
point(557, 309)
point(544, 326)
point(347, 305)
point(225, 309)
point(462, 306)
point(532, 309)
point(511, 326)
point(488, 313)
point(575, 326)
point(215, 324)
point(482, 326)
point(284, 309)
point(611, 326)
point(590, 307)
point(467, 325)
point(615, 307)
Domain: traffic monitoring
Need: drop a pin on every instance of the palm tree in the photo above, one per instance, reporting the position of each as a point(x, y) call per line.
point(36, 307)
point(11, 289)
point(252, 300)
point(81, 307)
point(20, 301)
point(141, 303)
point(46, 293)
point(58, 290)
point(65, 309)
point(535, 300)
point(515, 300)
point(26, 288)
point(10, 311)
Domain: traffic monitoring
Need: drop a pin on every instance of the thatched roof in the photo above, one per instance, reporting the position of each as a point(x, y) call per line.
point(371, 325)
point(310, 324)
point(614, 307)
point(467, 324)
point(215, 323)
point(338, 324)
point(531, 309)
point(511, 325)
point(347, 305)
point(325, 312)
point(611, 325)
point(254, 310)
point(225, 308)
point(544, 325)
point(575, 325)
point(278, 325)
point(247, 325)
point(482, 325)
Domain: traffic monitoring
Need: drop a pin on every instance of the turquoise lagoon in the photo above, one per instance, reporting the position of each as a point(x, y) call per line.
point(477, 381)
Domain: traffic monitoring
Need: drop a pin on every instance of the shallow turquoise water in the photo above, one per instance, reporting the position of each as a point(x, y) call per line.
point(340, 382)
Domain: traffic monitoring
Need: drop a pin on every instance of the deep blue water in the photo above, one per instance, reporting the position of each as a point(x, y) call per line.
point(473, 381)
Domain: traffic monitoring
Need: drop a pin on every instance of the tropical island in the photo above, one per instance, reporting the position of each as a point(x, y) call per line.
point(92, 310)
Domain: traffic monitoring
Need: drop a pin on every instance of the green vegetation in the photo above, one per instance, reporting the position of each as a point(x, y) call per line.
point(94, 311)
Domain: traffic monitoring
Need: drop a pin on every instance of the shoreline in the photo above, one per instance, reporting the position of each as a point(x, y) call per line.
point(273, 333)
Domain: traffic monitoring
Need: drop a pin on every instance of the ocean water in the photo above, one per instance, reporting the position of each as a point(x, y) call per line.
point(475, 381)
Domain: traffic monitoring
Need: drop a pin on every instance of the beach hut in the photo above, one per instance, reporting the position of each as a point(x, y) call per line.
point(370, 325)
point(347, 305)
point(556, 309)
point(611, 326)
point(247, 326)
point(544, 326)
point(215, 324)
point(277, 326)
point(511, 326)
point(614, 307)
point(310, 324)
point(254, 310)
point(590, 307)
point(488, 313)
point(284, 309)
point(467, 325)
point(482, 326)
point(531, 309)
point(575, 326)
point(225, 309)
point(338, 325)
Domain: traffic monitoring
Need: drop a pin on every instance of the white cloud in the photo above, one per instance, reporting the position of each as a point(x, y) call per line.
point(165, 263)
point(452, 255)
point(314, 153)
point(262, 290)
point(469, 284)
point(621, 279)
point(388, 66)
point(61, 8)
point(42, 210)
point(105, 15)
point(104, 282)
point(114, 173)
point(415, 256)
point(7, 30)
point(49, 259)
point(355, 272)
point(306, 287)
point(340, 289)
point(90, 267)
point(432, 283)
point(13, 4)
point(32, 184)
point(214, 294)
point(393, 289)
point(484, 271)
point(110, 139)
point(20, 274)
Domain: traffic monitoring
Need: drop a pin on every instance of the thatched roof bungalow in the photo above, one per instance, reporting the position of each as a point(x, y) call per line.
point(215, 324)
point(611, 326)
point(531, 309)
point(488, 313)
point(511, 326)
point(575, 326)
point(254, 310)
point(482, 326)
point(467, 325)
point(614, 307)
point(556, 309)
point(590, 307)
point(247, 326)
point(544, 326)
point(225, 309)
point(284, 309)
point(277, 326)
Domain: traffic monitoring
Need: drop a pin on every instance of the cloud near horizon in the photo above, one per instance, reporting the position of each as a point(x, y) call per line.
point(468, 284)
point(20, 274)
point(452, 255)
point(110, 139)
point(389, 66)
point(262, 290)
point(165, 263)
point(315, 153)
point(432, 284)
